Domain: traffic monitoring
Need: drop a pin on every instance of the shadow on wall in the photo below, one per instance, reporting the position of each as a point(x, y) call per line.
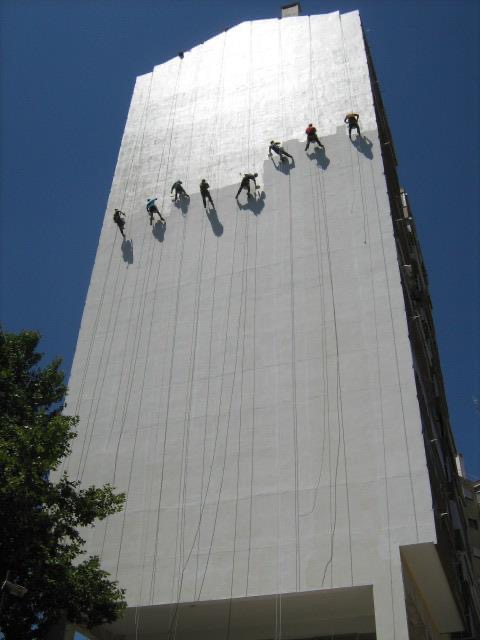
point(158, 231)
point(364, 145)
point(254, 204)
point(320, 156)
point(284, 167)
point(127, 251)
point(182, 203)
point(217, 226)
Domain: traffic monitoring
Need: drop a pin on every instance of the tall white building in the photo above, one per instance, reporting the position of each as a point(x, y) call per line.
point(247, 376)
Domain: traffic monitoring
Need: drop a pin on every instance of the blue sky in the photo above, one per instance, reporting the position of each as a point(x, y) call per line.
point(68, 69)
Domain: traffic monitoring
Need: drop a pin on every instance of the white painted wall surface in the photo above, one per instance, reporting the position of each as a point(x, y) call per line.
point(248, 380)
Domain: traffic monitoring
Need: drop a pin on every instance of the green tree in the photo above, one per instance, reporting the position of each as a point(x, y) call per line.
point(39, 519)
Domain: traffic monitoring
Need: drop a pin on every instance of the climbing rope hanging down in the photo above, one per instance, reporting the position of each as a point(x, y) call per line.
point(108, 333)
point(132, 368)
point(243, 303)
point(180, 550)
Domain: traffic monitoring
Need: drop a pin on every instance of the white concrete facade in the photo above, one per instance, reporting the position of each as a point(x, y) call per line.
point(247, 378)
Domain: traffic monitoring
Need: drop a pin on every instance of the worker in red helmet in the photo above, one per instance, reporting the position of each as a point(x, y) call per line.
point(312, 136)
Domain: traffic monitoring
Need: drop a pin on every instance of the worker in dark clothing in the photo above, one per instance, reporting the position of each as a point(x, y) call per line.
point(119, 220)
point(205, 193)
point(179, 190)
point(245, 183)
point(352, 120)
point(277, 147)
point(311, 132)
point(152, 208)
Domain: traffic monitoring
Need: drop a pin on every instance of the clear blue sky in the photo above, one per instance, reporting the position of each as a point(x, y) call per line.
point(68, 69)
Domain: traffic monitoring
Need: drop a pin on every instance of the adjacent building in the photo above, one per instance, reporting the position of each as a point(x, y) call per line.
point(262, 379)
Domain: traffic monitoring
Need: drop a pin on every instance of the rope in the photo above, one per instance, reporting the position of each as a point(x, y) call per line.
point(142, 297)
point(321, 286)
point(165, 187)
point(132, 370)
point(379, 386)
point(180, 538)
point(243, 301)
point(202, 499)
point(397, 367)
point(222, 387)
point(229, 405)
point(214, 138)
point(347, 68)
point(320, 192)
point(293, 352)
point(98, 314)
point(250, 119)
point(120, 298)
point(339, 400)
point(176, 614)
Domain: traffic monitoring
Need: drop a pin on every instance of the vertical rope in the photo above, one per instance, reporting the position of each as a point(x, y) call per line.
point(320, 193)
point(136, 348)
point(87, 437)
point(243, 302)
point(400, 394)
point(379, 386)
point(321, 286)
point(339, 406)
point(174, 622)
point(293, 349)
point(252, 449)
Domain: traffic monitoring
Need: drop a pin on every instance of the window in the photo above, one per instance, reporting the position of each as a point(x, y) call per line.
point(472, 523)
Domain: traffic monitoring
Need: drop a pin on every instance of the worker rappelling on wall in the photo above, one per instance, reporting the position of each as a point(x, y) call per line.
point(205, 193)
point(152, 208)
point(312, 136)
point(352, 120)
point(119, 219)
point(179, 190)
point(179, 194)
point(245, 184)
point(279, 150)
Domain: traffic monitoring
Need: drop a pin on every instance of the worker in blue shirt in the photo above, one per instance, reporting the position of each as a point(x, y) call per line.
point(152, 208)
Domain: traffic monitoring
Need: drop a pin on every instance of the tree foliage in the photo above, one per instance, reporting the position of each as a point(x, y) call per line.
point(39, 519)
